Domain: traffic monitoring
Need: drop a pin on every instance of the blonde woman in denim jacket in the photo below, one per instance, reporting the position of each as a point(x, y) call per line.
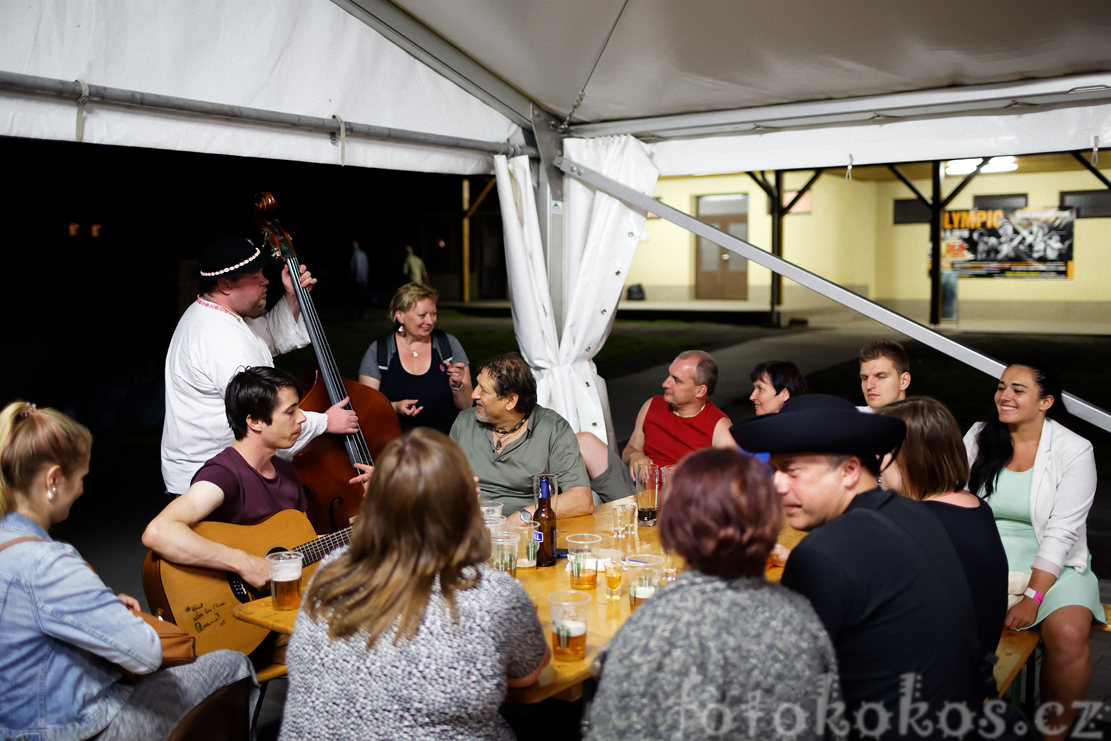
point(65, 638)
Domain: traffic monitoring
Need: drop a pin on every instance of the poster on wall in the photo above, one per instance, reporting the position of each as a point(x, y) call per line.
point(1026, 243)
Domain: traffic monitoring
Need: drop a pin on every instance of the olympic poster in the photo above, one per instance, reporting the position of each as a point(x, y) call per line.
point(1027, 243)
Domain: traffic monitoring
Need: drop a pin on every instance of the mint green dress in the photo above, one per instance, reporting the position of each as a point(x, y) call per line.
point(1011, 504)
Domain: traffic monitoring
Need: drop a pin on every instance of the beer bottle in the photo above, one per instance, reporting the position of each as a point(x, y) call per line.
point(546, 516)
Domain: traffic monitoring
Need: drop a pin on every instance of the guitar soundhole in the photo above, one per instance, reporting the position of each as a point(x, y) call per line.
point(243, 591)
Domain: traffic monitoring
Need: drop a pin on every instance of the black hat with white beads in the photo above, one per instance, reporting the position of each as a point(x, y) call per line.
point(230, 257)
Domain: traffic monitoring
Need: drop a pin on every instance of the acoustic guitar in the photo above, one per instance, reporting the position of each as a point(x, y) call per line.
point(200, 601)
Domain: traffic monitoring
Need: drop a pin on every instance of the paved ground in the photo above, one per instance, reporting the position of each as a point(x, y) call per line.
point(106, 524)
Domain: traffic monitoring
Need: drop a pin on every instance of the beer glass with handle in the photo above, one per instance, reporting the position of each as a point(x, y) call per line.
point(285, 579)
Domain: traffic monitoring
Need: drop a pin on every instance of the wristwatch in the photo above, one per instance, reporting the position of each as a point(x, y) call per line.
point(1036, 596)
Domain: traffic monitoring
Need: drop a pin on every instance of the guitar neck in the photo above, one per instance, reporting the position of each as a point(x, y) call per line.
point(317, 549)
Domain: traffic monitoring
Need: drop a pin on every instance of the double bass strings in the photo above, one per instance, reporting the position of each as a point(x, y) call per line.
point(357, 448)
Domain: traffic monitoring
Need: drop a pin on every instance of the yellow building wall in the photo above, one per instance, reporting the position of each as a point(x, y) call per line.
point(848, 236)
point(835, 239)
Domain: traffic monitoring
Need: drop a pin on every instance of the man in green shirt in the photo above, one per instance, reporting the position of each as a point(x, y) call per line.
point(508, 437)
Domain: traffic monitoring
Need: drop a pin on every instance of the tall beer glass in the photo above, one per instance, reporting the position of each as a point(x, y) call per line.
point(285, 579)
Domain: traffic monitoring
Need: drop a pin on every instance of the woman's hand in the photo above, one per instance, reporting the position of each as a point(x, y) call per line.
point(129, 602)
point(1021, 615)
point(456, 374)
point(407, 407)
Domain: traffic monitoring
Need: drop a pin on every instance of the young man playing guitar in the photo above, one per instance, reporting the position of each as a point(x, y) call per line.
point(243, 484)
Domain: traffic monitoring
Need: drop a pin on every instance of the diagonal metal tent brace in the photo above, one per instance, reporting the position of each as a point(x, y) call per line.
point(1075, 405)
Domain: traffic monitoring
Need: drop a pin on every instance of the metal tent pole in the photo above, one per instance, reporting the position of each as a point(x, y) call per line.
point(1077, 406)
point(14, 82)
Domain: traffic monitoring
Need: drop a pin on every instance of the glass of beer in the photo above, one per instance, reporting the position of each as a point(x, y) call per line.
point(569, 610)
point(529, 533)
point(610, 560)
point(581, 560)
point(503, 551)
point(643, 571)
point(649, 482)
point(285, 579)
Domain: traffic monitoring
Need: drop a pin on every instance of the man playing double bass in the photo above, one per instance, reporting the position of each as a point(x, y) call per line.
point(225, 330)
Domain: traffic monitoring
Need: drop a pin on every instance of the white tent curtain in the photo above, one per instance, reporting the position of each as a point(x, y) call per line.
point(601, 237)
point(529, 297)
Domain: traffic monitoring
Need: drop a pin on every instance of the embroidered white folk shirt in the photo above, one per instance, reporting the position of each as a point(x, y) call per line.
point(209, 346)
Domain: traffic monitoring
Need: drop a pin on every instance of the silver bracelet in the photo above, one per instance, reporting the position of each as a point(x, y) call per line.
point(455, 388)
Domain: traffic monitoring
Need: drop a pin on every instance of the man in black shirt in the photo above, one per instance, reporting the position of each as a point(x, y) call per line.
point(879, 570)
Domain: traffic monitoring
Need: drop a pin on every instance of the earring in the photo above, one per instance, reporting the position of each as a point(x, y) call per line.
point(51, 494)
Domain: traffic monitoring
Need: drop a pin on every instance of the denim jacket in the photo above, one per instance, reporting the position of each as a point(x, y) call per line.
point(63, 637)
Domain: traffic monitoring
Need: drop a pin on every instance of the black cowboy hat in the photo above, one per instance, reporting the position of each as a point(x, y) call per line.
point(819, 423)
point(229, 257)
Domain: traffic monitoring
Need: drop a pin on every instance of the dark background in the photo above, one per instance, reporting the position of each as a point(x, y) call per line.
point(90, 310)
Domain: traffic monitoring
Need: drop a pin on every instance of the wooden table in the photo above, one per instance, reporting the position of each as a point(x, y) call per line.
point(561, 679)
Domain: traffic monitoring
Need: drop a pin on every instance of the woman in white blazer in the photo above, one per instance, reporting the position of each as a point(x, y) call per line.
point(1041, 480)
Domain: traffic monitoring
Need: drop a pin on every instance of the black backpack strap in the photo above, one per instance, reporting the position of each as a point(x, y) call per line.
point(384, 348)
point(439, 336)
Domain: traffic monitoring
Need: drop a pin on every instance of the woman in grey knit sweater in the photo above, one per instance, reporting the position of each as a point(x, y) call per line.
point(408, 634)
point(720, 653)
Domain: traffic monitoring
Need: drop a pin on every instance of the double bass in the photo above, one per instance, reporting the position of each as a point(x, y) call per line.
point(327, 463)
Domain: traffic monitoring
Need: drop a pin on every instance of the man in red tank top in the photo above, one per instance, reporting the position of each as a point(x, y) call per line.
point(667, 428)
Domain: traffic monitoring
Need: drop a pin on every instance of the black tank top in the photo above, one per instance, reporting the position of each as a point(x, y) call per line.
point(431, 390)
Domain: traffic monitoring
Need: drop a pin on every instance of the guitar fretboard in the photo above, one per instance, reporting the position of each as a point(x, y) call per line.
point(317, 549)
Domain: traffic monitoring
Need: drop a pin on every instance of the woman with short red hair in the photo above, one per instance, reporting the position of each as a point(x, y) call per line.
point(720, 638)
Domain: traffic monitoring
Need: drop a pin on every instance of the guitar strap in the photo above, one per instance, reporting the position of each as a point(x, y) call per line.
point(178, 647)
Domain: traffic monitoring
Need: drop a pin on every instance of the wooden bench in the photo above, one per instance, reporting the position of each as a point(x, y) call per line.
point(1015, 650)
point(1106, 619)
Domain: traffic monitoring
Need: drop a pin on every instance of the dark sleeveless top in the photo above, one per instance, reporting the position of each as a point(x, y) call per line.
point(431, 390)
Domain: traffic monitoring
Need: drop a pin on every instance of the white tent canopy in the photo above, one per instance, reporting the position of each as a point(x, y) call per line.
point(718, 86)
point(308, 59)
point(803, 84)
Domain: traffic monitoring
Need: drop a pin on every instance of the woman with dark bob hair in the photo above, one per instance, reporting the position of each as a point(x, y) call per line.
point(773, 383)
point(408, 633)
point(1040, 478)
point(720, 637)
point(932, 467)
